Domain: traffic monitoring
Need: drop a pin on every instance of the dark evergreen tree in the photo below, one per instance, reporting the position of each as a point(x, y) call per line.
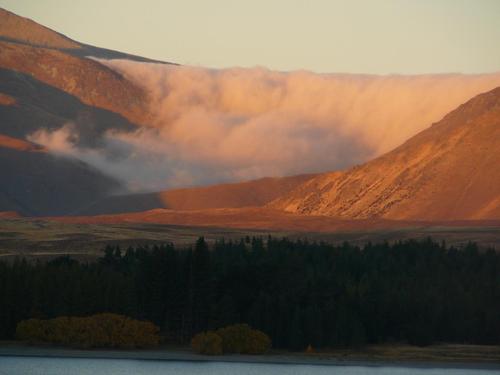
point(299, 292)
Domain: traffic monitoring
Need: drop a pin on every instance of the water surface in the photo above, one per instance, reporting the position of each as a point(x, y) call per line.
point(83, 366)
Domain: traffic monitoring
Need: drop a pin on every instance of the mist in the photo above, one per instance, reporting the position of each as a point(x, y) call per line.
point(214, 126)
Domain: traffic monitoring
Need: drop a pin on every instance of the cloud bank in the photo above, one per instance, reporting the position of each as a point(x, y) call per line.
point(235, 124)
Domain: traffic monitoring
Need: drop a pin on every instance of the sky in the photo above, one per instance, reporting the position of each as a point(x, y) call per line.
point(352, 36)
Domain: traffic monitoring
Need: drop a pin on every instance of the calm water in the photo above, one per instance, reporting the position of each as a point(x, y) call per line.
point(70, 366)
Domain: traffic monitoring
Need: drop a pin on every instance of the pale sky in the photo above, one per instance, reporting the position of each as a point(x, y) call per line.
point(381, 37)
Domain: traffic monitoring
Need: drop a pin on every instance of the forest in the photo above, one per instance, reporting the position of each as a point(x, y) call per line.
point(300, 292)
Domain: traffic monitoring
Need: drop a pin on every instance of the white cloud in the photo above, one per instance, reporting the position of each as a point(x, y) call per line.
point(227, 125)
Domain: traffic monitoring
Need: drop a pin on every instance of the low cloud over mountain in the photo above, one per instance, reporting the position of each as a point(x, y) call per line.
point(228, 125)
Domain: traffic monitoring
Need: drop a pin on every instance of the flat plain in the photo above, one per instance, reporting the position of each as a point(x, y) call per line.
point(44, 239)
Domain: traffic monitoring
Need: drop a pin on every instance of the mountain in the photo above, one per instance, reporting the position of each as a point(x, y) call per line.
point(244, 194)
point(16, 28)
point(91, 82)
point(44, 84)
point(450, 171)
point(40, 183)
point(28, 105)
point(445, 176)
point(35, 182)
point(48, 81)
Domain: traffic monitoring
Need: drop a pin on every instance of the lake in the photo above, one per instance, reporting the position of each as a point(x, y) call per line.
point(83, 366)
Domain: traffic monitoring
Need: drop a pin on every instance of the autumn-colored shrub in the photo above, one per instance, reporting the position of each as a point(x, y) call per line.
point(238, 338)
point(32, 330)
point(241, 338)
point(207, 343)
point(101, 330)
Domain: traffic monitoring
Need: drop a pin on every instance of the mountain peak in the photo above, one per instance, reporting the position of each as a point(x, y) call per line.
point(23, 30)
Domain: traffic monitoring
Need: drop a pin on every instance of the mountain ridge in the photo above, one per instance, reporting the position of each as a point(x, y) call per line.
point(21, 29)
point(410, 182)
point(17, 29)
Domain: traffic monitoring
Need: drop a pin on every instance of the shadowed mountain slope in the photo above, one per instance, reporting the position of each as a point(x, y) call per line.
point(47, 83)
point(91, 82)
point(38, 183)
point(35, 182)
point(34, 105)
point(244, 194)
point(449, 171)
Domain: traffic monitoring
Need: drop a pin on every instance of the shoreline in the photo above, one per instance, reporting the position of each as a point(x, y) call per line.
point(177, 355)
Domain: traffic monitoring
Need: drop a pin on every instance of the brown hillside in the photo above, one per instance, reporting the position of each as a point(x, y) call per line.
point(24, 30)
point(244, 194)
point(17, 29)
point(19, 144)
point(91, 82)
point(6, 99)
point(9, 215)
point(450, 171)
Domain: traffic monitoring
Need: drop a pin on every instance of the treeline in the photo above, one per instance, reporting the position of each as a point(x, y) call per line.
point(299, 293)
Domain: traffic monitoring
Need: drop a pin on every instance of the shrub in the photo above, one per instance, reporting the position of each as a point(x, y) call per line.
point(241, 338)
point(32, 330)
point(207, 343)
point(101, 330)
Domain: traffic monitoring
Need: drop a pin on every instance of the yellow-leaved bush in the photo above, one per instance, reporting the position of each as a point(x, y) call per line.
point(238, 338)
point(207, 343)
point(96, 331)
